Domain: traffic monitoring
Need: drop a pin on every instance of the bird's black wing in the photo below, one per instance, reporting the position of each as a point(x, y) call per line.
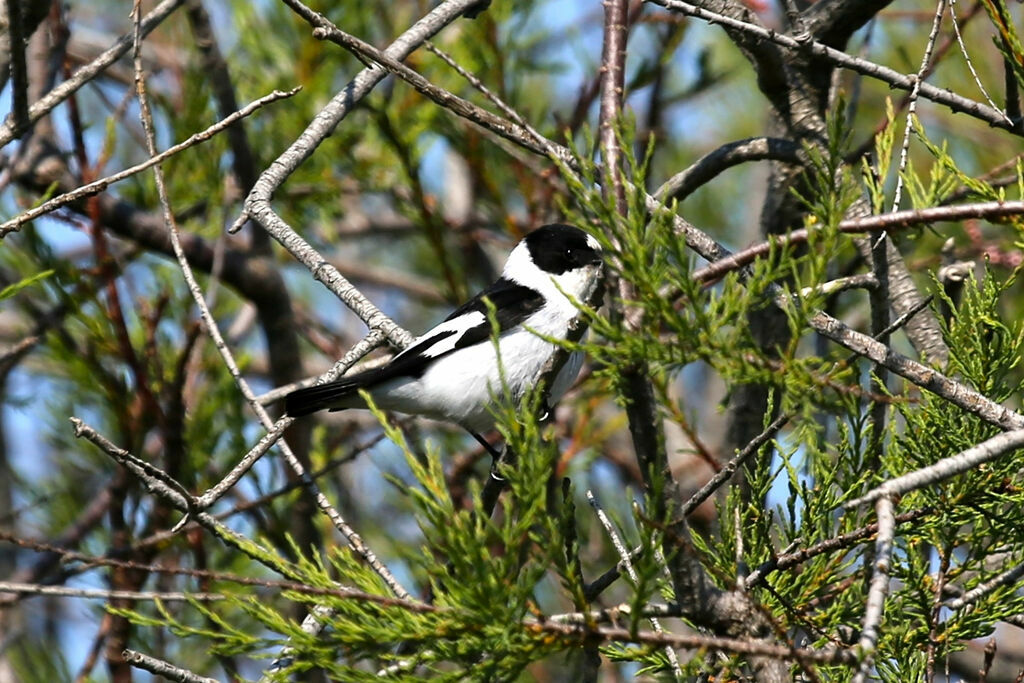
point(467, 325)
point(513, 303)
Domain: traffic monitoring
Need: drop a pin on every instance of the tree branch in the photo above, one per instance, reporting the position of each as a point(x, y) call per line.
point(95, 187)
point(9, 130)
point(705, 169)
point(257, 204)
point(813, 48)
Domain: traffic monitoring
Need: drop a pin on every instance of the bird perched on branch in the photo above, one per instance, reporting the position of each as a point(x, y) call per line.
point(451, 372)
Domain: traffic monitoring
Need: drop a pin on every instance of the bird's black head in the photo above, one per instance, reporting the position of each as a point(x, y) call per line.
point(559, 248)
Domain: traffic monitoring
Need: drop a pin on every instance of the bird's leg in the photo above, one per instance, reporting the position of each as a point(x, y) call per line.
point(496, 483)
point(495, 454)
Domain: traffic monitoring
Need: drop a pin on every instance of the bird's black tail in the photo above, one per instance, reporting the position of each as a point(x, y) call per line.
point(311, 399)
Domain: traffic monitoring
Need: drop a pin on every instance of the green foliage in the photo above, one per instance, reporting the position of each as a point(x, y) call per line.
point(485, 576)
point(1007, 40)
point(10, 290)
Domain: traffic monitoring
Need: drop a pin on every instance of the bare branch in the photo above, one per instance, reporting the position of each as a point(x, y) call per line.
point(158, 667)
point(702, 171)
point(102, 184)
point(1004, 578)
point(102, 594)
point(878, 588)
point(956, 103)
point(257, 204)
point(948, 467)
point(881, 222)
point(917, 373)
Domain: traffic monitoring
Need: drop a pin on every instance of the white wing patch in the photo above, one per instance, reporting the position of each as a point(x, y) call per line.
point(450, 332)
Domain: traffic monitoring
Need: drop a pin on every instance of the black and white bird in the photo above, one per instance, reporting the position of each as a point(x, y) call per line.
point(451, 373)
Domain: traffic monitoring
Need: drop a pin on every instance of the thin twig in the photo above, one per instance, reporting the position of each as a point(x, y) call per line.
point(737, 532)
point(104, 594)
point(754, 647)
point(11, 355)
point(159, 667)
point(877, 589)
point(792, 557)
point(600, 583)
point(955, 102)
point(967, 58)
point(140, 466)
point(46, 103)
point(92, 561)
point(613, 615)
point(1005, 578)
point(885, 221)
point(157, 486)
point(579, 628)
point(275, 430)
point(727, 471)
point(936, 622)
point(102, 184)
point(946, 468)
point(620, 548)
point(912, 105)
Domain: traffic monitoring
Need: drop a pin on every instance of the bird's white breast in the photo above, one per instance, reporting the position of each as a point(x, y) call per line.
point(460, 386)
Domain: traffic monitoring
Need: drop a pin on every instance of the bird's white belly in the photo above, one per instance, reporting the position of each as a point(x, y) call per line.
point(460, 386)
